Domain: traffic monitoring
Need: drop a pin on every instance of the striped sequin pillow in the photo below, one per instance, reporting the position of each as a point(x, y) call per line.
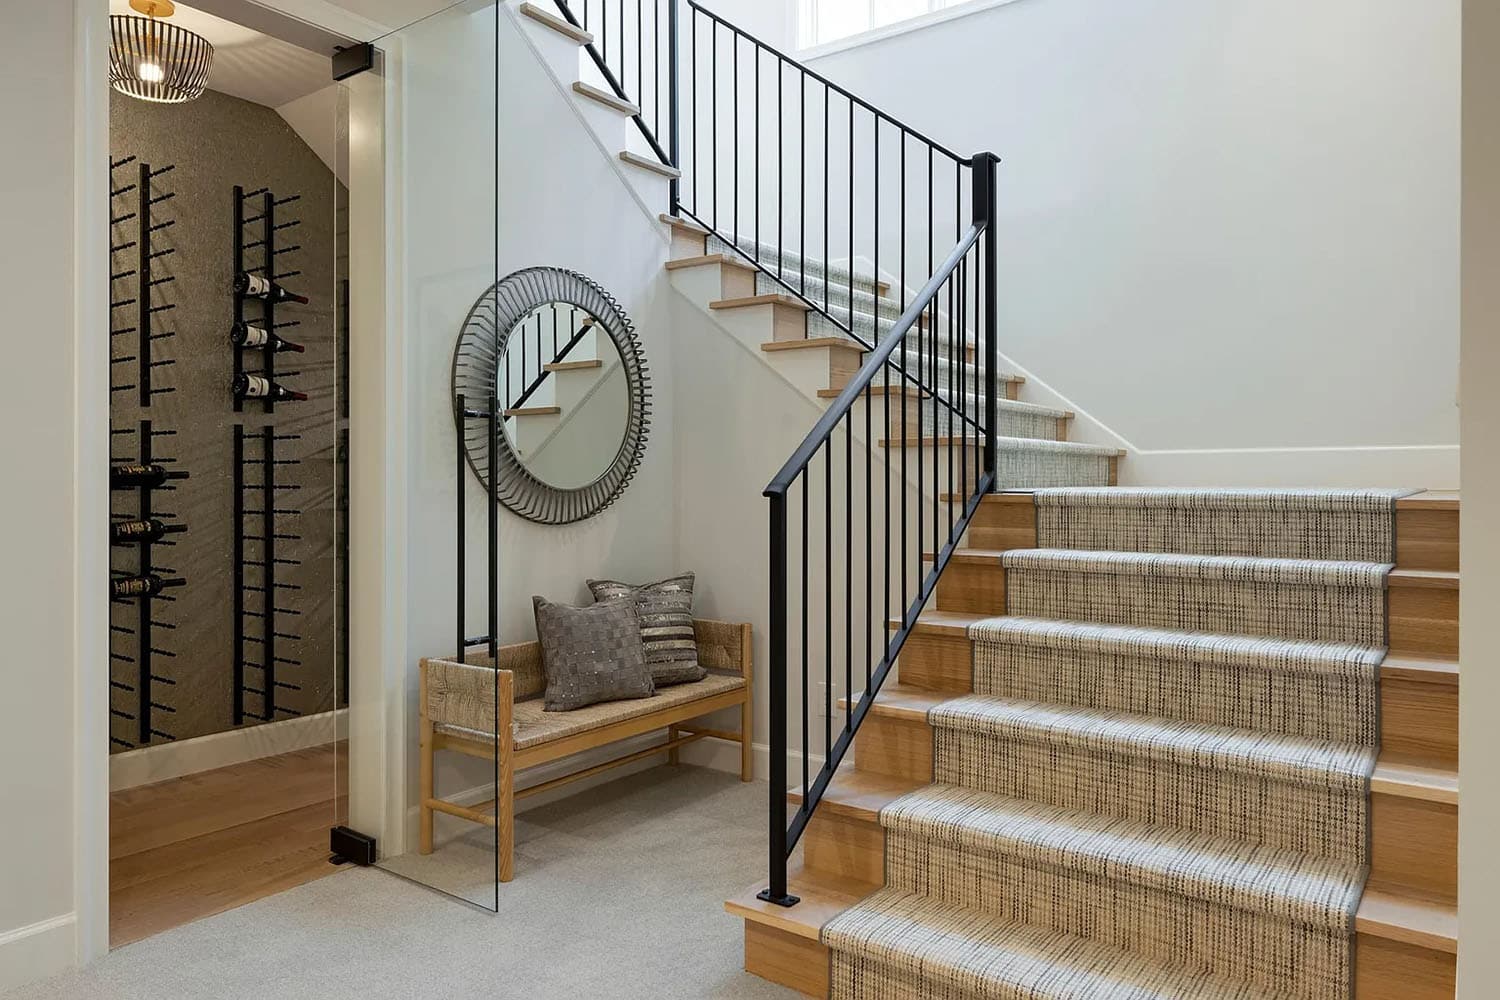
point(666, 613)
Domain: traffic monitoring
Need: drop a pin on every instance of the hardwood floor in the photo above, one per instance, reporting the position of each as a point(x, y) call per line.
point(194, 846)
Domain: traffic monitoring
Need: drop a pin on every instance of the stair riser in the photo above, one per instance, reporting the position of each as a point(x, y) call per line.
point(1162, 924)
point(1423, 620)
point(872, 332)
point(899, 748)
point(1427, 539)
point(1227, 804)
point(838, 295)
point(1419, 720)
point(798, 963)
point(1233, 607)
point(1004, 525)
point(937, 662)
point(844, 847)
point(1415, 849)
point(972, 588)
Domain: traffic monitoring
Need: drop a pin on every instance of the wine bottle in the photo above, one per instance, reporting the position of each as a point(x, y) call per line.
point(147, 529)
point(260, 387)
point(145, 585)
point(130, 477)
point(245, 335)
point(246, 283)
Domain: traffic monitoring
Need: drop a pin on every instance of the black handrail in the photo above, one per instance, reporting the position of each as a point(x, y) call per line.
point(951, 279)
point(516, 352)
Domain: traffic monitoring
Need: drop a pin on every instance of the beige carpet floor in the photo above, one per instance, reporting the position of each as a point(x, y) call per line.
point(619, 893)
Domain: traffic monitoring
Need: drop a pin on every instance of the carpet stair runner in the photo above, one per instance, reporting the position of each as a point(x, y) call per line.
point(1159, 787)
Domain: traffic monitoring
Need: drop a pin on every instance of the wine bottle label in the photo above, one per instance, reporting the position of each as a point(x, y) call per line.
point(134, 529)
point(251, 336)
point(255, 386)
point(257, 285)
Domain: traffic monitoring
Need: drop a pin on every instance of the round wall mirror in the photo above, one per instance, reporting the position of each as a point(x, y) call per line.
point(562, 361)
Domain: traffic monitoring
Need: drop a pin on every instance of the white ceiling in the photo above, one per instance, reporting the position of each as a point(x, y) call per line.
point(248, 64)
point(393, 14)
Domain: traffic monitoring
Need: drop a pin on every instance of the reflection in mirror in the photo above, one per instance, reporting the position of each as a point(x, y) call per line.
point(567, 403)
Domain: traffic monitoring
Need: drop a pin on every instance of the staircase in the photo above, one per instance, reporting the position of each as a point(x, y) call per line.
point(1102, 742)
point(1084, 784)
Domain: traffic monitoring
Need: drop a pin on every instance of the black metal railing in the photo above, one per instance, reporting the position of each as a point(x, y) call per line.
point(634, 50)
point(544, 338)
point(889, 239)
point(907, 501)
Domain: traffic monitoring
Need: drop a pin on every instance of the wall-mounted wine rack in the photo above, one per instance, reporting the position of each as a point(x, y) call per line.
point(133, 266)
point(259, 514)
point(256, 226)
point(145, 587)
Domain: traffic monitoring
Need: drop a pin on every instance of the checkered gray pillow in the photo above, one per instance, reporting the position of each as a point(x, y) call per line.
point(666, 613)
point(591, 654)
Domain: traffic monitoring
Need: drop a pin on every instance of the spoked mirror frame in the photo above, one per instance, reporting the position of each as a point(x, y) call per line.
point(498, 315)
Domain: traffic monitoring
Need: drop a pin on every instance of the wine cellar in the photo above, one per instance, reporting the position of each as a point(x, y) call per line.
point(228, 437)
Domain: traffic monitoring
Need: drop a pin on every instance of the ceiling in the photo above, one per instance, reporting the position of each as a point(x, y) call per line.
point(250, 65)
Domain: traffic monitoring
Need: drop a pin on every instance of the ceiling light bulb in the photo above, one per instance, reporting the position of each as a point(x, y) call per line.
point(150, 72)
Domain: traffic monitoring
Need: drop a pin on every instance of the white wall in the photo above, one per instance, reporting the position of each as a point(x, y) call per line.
point(1225, 227)
point(54, 419)
point(563, 202)
point(1479, 741)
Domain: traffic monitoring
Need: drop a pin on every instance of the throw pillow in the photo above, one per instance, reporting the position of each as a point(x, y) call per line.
point(666, 614)
point(591, 654)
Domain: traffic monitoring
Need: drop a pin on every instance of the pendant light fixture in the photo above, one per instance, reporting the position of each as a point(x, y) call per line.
point(154, 60)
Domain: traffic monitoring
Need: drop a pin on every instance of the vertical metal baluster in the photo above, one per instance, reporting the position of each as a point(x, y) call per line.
point(734, 40)
point(905, 519)
point(802, 174)
point(806, 486)
point(713, 141)
point(755, 174)
point(693, 53)
point(827, 277)
point(875, 289)
point(674, 103)
point(780, 165)
point(776, 891)
point(827, 601)
point(640, 75)
point(848, 565)
point(932, 333)
point(458, 483)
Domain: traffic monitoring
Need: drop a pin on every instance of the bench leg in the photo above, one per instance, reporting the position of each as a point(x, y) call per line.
point(673, 757)
point(505, 810)
point(425, 788)
point(747, 762)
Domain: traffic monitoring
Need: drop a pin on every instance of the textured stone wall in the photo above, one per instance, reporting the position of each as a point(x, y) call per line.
point(217, 142)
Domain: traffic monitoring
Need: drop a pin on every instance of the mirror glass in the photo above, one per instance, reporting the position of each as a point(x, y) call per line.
point(567, 402)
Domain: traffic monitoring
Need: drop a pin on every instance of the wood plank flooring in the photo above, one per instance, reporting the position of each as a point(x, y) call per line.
point(194, 846)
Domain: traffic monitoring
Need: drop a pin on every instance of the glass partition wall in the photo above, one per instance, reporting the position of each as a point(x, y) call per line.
point(440, 77)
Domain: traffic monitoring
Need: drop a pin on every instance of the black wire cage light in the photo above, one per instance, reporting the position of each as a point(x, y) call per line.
point(154, 60)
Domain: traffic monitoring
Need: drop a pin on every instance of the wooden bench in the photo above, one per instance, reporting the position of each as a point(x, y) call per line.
point(494, 711)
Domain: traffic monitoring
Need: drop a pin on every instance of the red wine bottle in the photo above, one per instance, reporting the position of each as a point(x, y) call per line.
point(246, 283)
point(260, 387)
point(130, 477)
point(245, 335)
point(147, 529)
point(145, 585)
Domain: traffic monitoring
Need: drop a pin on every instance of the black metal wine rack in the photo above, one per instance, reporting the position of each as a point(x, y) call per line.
point(137, 286)
point(260, 244)
point(259, 511)
point(138, 675)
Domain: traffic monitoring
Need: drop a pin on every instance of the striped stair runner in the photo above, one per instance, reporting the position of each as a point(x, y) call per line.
point(1159, 787)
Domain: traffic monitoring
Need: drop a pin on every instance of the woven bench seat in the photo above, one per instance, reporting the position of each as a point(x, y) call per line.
point(494, 710)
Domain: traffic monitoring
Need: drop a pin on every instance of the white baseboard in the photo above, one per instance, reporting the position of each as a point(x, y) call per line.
point(36, 951)
point(174, 760)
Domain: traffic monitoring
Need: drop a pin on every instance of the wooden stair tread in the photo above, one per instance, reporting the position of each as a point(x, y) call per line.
point(612, 101)
point(824, 896)
point(905, 701)
point(557, 24)
point(1430, 500)
point(1410, 919)
point(572, 366)
point(703, 260)
point(1416, 667)
point(834, 343)
point(647, 163)
point(948, 623)
point(859, 794)
point(1436, 579)
point(534, 411)
point(1394, 776)
point(971, 557)
point(764, 299)
point(677, 222)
